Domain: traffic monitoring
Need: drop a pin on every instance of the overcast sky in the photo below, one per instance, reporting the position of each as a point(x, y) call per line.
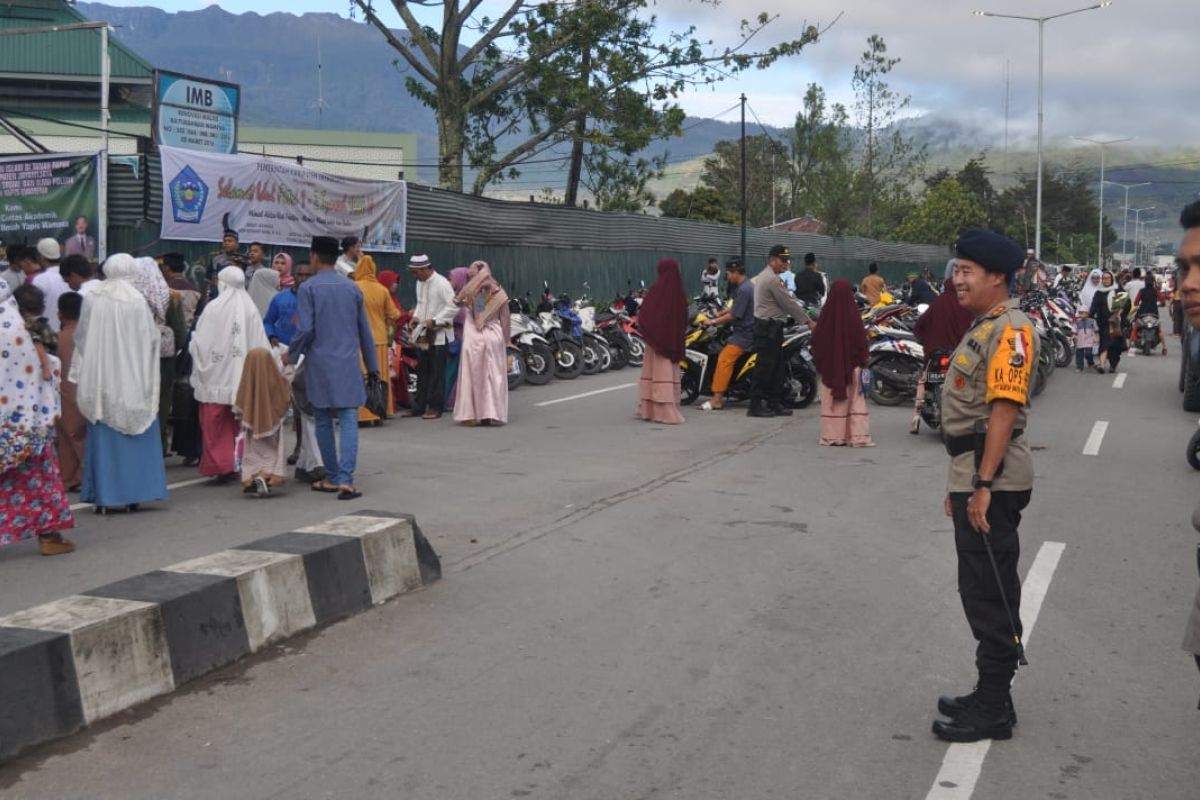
point(1113, 72)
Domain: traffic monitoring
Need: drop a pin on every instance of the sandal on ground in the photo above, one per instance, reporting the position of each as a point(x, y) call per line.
point(431, 415)
point(348, 493)
point(325, 486)
point(54, 544)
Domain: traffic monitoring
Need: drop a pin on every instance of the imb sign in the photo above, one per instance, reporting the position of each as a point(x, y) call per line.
point(195, 114)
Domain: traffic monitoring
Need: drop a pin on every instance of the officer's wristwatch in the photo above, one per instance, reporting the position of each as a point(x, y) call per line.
point(979, 483)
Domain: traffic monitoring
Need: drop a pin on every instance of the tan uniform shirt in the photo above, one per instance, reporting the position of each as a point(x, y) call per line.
point(994, 361)
point(872, 286)
point(771, 298)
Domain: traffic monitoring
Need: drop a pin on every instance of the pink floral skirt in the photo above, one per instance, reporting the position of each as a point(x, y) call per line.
point(35, 500)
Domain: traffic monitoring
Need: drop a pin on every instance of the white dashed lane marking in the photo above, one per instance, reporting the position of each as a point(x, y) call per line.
point(1092, 446)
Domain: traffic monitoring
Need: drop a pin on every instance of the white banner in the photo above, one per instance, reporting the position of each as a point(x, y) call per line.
point(276, 202)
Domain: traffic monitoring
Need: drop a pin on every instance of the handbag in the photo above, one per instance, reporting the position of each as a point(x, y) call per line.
point(377, 395)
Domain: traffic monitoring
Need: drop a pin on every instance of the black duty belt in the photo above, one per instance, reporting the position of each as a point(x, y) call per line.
point(957, 445)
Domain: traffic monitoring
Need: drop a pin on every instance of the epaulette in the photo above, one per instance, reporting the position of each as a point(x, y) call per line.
point(997, 311)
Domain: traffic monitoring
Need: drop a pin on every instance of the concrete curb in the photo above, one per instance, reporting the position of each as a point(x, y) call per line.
point(73, 662)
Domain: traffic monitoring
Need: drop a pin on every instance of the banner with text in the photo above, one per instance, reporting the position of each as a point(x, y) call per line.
point(276, 202)
point(55, 195)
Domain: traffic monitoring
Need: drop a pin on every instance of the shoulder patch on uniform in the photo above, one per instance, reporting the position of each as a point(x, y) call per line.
point(975, 345)
point(961, 360)
point(997, 311)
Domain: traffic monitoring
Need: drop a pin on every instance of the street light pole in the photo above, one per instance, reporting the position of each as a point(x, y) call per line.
point(1041, 22)
point(1102, 143)
point(1137, 239)
point(1125, 229)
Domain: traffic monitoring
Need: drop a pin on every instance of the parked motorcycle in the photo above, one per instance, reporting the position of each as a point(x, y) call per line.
point(527, 334)
point(896, 360)
point(934, 374)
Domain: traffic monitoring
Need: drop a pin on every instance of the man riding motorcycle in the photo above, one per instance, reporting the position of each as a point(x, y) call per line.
point(741, 316)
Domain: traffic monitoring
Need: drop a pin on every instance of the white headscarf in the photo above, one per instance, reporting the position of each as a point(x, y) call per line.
point(152, 286)
point(228, 329)
point(115, 367)
point(28, 405)
point(1089, 290)
point(263, 288)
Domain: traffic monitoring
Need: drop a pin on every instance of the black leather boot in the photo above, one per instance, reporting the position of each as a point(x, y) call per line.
point(987, 714)
point(954, 707)
point(781, 410)
point(759, 410)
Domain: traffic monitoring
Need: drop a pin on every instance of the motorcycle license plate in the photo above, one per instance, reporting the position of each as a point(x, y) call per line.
point(935, 377)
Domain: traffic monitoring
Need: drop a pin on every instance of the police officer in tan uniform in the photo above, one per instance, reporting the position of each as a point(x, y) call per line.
point(984, 404)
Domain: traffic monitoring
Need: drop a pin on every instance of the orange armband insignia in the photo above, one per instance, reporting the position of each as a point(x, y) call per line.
point(1011, 366)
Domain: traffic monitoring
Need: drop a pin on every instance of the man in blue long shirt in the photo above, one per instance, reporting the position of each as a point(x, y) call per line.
point(331, 334)
point(283, 313)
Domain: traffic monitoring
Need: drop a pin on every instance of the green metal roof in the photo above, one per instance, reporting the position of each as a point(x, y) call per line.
point(60, 121)
point(70, 55)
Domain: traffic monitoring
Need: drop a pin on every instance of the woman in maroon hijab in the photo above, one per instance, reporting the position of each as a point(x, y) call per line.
point(839, 347)
point(940, 328)
point(662, 320)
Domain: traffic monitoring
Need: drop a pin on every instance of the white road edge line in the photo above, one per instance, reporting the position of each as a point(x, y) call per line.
point(963, 762)
point(1092, 446)
point(180, 485)
point(585, 394)
point(1119, 381)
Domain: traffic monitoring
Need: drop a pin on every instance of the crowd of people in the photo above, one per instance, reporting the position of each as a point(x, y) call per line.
point(110, 369)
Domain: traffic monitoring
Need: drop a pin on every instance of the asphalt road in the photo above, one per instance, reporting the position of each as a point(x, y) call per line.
point(718, 610)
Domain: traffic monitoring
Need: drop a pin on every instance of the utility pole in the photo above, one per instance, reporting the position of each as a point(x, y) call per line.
point(1125, 230)
point(1041, 25)
point(743, 98)
point(1101, 143)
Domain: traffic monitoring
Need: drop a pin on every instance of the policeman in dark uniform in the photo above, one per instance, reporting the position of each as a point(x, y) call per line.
point(984, 404)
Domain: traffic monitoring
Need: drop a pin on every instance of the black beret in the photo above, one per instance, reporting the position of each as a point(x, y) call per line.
point(993, 251)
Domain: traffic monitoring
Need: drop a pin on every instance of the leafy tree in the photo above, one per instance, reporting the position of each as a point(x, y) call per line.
point(888, 161)
point(765, 159)
point(594, 73)
point(942, 214)
point(1068, 210)
point(619, 184)
point(705, 203)
point(820, 181)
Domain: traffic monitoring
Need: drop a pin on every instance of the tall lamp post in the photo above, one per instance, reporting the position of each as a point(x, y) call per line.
point(1101, 143)
point(1041, 23)
point(1137, 239)
point(1127, 187)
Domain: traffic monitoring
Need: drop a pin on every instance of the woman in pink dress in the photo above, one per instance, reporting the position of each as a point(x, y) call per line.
point(839, 347)
point(662, 320)
point(482, 393)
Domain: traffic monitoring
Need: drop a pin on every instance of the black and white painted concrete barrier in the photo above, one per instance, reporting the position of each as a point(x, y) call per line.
point(70, 663)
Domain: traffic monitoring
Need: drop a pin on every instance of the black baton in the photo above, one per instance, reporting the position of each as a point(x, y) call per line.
point(1012, 623)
